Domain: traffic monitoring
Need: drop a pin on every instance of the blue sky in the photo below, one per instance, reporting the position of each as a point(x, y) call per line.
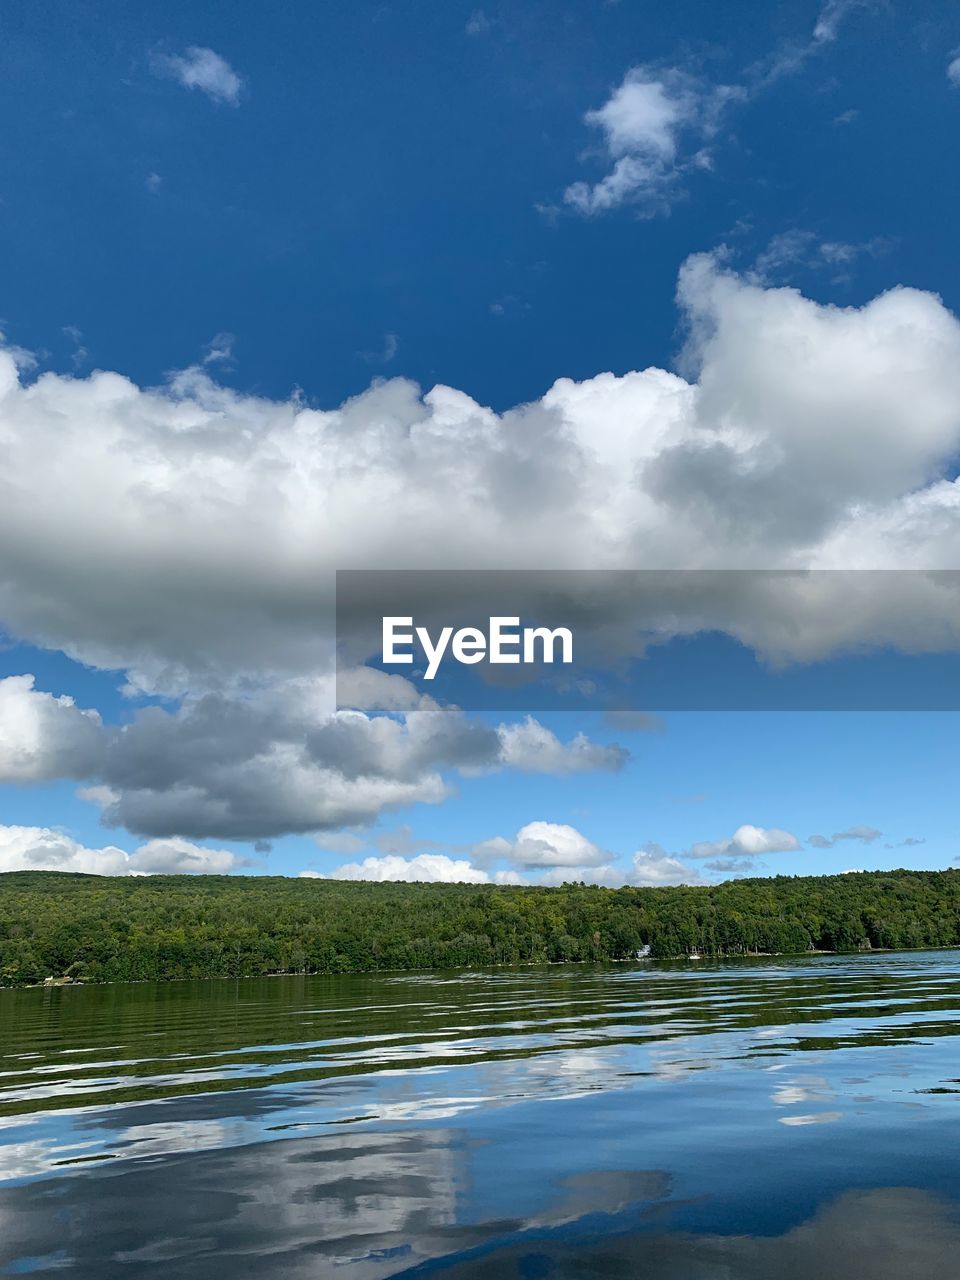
point(248, 216)
point(383, 169)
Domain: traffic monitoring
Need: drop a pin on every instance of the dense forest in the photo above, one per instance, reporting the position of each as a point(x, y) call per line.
point(99, 929)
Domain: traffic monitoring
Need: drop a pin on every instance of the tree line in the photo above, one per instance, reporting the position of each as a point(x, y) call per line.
point(124, 929)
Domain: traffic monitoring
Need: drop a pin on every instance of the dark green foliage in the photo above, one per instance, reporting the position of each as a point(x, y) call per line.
point(161, 927)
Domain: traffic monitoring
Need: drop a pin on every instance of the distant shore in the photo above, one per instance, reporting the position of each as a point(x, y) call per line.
point(62, 929)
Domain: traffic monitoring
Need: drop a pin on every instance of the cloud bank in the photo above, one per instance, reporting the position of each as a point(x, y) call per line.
point(44, 849)
point(187, 534)
point(274, 762)
point(545, 853)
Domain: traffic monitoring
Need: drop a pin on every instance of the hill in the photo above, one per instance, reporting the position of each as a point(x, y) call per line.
point(102, 929)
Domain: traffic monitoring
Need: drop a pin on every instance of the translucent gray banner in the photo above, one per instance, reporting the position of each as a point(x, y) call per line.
point(650, 640)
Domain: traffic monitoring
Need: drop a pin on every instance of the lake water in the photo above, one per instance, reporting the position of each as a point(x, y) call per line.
point(788, 1119)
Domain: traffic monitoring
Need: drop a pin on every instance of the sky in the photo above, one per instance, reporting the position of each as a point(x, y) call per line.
point(432, 285)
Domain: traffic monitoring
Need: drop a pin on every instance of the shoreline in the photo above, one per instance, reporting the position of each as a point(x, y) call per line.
point(708, 960)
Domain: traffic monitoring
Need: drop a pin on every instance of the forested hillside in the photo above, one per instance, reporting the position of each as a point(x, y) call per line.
point(162, 927)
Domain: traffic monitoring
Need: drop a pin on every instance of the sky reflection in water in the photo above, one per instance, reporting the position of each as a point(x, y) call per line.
point(793, 1118)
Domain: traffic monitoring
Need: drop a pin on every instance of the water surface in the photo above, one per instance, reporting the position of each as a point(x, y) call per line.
point(672, 1122)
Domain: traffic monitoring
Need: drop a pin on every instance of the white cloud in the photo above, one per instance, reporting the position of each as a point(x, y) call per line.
point(486, 852)
point(746, 842)
point(861, 833)
point(509, 877)
point(188, 534)
point(658, 123)
point(652, 866)
point(433, 867)
point(219, 349)
point(386, 353)
point(43, 849)
point(79, 355)
point(607, 874)
point(653, 127)
point(278, 760)
point(43, 737)
point(200, 68)
point(402, 840)
point(279, 763)
point(554, 844)
point(649, 867)
point(832, 15)
point(953, 69)
point(797, 248)
point(541, 853)
point(532, 747)
point(173, 856)
point(342, 842)
point(553, 852)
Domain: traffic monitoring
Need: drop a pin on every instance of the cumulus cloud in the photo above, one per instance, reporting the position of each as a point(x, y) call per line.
point(546, 853)
point(272, 766)
point(553, 852)
point(187, 535)
point(554, 844)
point(953, 69)
point(181, 857)
point(533, 748)
point(44, 737)
point(652, 866)
point(433, 867)
point(200, 68)
point(541, 853)
point(273, 762)
point(653, 126)
point(44, 849)
point(863, 834)
point(746, 842)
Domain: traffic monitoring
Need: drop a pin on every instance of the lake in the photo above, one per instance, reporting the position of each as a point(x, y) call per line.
point(698, 1121)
